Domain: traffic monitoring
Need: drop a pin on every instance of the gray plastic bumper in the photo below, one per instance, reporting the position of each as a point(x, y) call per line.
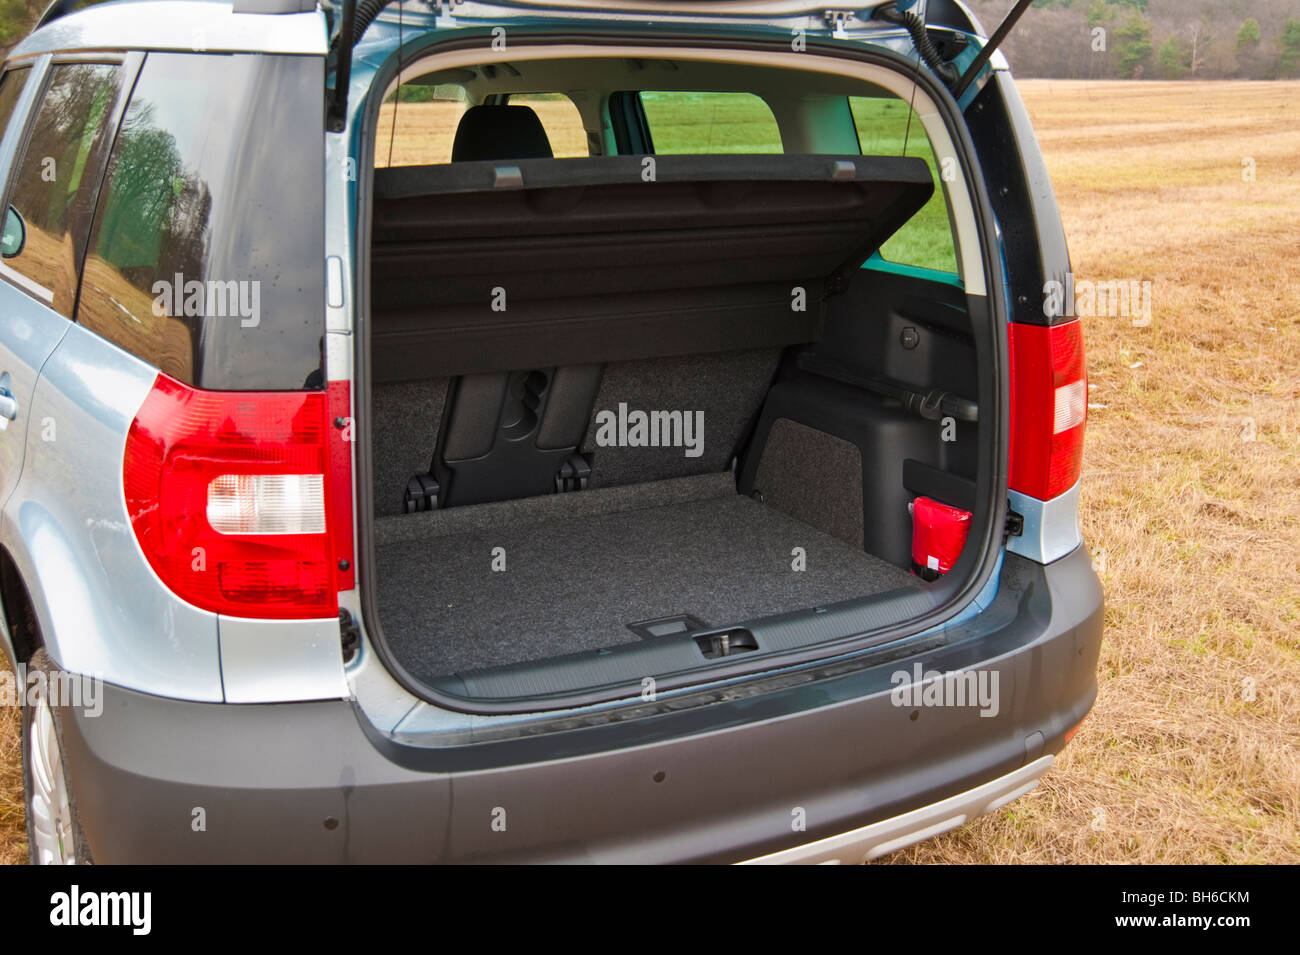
point(159, 780)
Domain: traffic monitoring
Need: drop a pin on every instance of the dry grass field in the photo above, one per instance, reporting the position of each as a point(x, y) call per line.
point(411, 134)
point(1195, 527)
point(13, 828)
point(1191, 497)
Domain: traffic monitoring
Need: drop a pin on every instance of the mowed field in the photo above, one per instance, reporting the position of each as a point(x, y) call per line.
point(1191, 500)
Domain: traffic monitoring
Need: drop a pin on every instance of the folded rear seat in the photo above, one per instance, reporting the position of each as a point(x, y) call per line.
point(717, 396)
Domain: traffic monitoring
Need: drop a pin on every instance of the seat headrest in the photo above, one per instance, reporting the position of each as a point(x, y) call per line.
point(500, 132)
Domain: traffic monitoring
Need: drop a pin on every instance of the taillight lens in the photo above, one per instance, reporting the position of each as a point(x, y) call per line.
point(228, 496)
point(1049, 408)
point(267, 504)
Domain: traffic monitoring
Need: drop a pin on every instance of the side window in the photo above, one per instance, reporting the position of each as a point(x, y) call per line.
point(561, 120)
point(207, 254)
point(889, 127)
point(11, 87)
point(693, 123)
point(54, 183)
point(417, 125)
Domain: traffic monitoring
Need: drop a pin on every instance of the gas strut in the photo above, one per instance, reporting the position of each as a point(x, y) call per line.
point(925, 46)
point(995, 41)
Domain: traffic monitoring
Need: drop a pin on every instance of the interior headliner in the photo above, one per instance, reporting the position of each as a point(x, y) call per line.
point(608, 75)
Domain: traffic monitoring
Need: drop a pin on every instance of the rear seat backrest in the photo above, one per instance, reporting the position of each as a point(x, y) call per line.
point(725, 391)
point(500, 132)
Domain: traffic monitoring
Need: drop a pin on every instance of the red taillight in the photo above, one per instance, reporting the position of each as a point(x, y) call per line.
point(1049, 408)
point(233, 498)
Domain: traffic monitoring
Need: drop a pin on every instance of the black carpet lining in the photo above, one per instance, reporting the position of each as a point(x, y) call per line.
point(580, 567)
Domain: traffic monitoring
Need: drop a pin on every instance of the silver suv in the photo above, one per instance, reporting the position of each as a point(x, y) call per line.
point(441, 432)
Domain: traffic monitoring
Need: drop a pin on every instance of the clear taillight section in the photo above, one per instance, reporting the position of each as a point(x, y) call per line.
point(267, 504)
point(1049, 408)
point(231, 498)
point(1070, 406)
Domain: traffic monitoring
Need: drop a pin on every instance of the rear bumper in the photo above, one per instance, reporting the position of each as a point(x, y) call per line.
point(815, 769)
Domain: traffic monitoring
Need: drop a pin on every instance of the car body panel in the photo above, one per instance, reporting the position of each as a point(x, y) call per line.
point(765, 10)
point(29, 329)
point(265, 661)
point(102, 609)
point(182, 26)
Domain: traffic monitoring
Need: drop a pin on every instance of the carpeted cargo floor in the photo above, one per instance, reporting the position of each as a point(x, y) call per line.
point(580, 567)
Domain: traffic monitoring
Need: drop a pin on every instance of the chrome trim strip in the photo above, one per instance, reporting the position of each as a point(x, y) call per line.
point(890, 835)
point(32, 288)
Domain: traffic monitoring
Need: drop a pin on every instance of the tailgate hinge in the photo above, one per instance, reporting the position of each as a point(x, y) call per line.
point(1015, 524)
point(838, 19)
point(349, 635)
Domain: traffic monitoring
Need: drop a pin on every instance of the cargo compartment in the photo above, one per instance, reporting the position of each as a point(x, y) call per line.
point(621, 427)
point(601, 568)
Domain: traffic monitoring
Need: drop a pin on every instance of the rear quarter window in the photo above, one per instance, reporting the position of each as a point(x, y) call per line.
point(207, 253)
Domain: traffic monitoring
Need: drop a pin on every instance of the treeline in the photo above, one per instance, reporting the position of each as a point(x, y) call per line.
point(1151, 39)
